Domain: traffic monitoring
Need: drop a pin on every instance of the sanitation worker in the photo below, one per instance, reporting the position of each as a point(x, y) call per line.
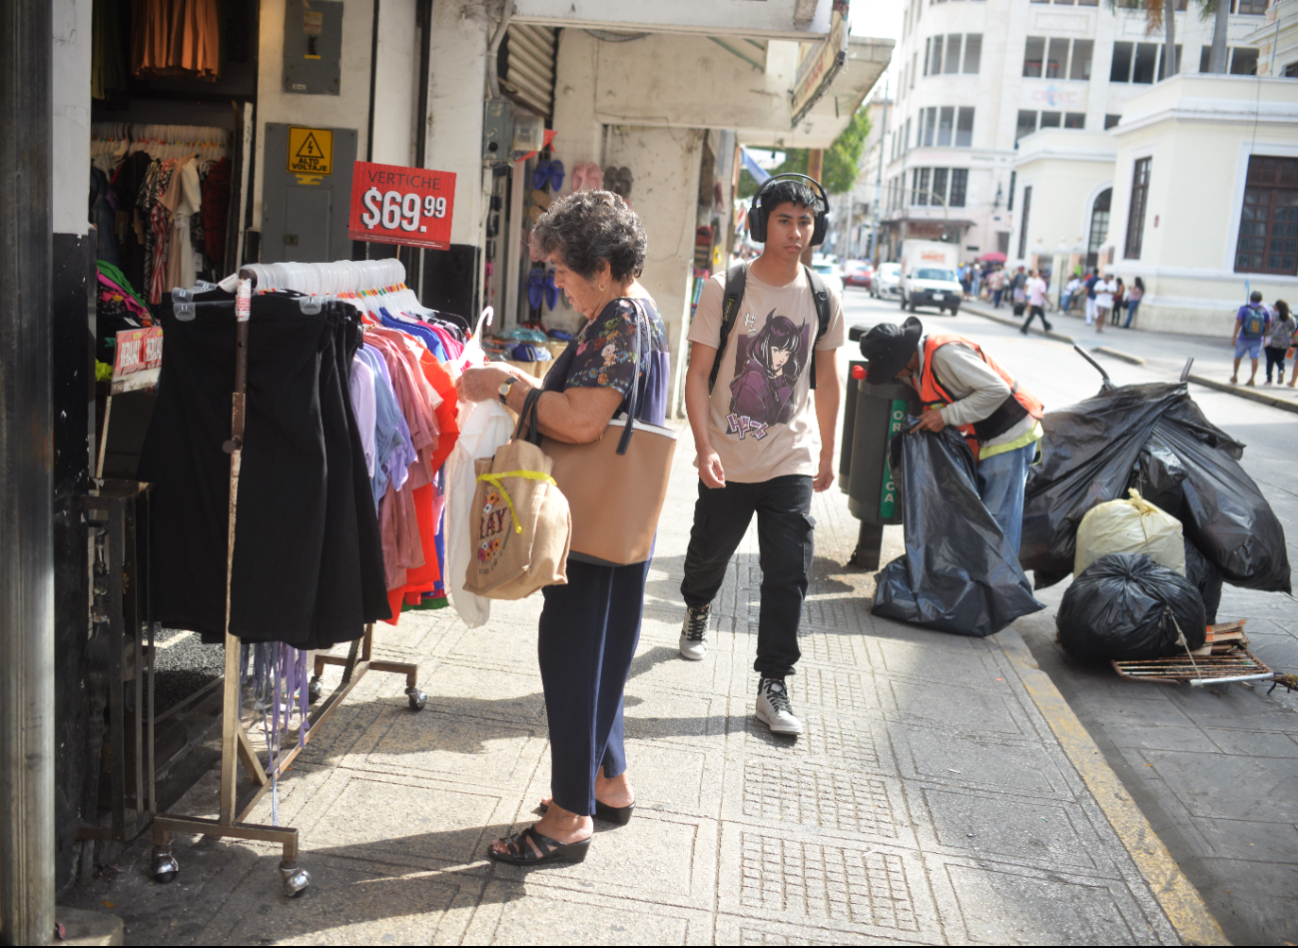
point(962, 386)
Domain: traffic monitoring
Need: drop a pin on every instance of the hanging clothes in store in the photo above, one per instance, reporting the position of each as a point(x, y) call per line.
point(176, 38)
point(308, 563)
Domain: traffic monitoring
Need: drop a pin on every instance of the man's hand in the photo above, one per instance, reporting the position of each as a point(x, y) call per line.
point(710, 470)
point(931, 420)
point(825, 474)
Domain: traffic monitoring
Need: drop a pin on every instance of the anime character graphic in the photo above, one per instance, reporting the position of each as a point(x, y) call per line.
point(761, 394)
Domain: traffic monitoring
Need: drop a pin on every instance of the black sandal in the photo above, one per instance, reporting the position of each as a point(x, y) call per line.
point(617, 815)
point(522, 854)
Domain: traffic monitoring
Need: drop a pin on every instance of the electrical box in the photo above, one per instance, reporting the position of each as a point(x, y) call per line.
point(306, 193)
point(497, 130)
point(313, 46)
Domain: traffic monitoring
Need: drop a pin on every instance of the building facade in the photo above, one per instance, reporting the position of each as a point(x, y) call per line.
point(975, 77)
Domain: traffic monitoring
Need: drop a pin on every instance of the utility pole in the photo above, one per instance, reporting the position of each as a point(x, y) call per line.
point(878, 181)
point(26, 476)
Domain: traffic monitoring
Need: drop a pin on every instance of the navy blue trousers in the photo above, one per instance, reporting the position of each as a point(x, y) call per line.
point(588, 634)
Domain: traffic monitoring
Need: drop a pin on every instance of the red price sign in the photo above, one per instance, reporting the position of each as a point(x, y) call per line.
point(395, 205)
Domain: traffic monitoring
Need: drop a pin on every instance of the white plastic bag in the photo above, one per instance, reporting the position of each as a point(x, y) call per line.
point(484, 426)
point(1130, 526)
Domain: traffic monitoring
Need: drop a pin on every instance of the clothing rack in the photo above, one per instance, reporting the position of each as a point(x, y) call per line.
point(159, 141)
point(343, 279)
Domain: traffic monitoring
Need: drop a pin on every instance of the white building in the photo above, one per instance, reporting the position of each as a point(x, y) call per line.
point(976, 77)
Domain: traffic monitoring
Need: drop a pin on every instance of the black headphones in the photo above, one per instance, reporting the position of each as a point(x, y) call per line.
point(757, 215)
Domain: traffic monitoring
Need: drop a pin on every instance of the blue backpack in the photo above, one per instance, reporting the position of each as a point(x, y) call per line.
point(1254, 321)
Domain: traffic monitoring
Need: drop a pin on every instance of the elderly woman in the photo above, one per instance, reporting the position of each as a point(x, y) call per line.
point(589, 628)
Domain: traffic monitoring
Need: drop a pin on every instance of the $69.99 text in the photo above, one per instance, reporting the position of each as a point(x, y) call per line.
point(399, 210)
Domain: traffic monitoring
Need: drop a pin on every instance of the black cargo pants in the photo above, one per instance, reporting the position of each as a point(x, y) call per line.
point(784, 539)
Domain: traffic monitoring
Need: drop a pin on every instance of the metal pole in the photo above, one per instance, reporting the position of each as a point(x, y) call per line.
point(878, 181)
point(26, 477)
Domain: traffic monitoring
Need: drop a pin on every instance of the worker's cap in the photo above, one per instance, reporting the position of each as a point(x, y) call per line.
point(888, 347)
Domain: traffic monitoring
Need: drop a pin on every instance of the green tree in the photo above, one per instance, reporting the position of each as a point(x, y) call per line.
point(841, 165)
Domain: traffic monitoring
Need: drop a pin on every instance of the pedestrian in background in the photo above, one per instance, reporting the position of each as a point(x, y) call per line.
point(977, 281)
point(1252, 325)
point(1283, 327)
point(1133, 300)
point(997, 284)
point(589, 627)
point(1018, 293)
point(1068, 293)
point(1036, 294)
point(1119, 303)
point(1089, 283)
point(1104, 290)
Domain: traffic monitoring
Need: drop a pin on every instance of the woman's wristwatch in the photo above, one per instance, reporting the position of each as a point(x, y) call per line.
point(504, 388)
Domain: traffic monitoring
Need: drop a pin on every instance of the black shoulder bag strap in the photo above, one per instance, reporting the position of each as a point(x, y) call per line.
point(527, 424)
point(820, 293)
point(633, 397)
point(736, 276)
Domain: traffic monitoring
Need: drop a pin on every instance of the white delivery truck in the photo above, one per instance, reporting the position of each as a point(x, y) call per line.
point(928, 275)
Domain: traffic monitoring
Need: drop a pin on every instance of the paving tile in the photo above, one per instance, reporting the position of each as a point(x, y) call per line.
point(834, 690)
point(938, 664)
point(976, 761)
point(1218, 786)
point(1007, 905)
point(533, 913)
point(1252, 743)
point(959, 708)
point(738, 930)
point(1272, 842)
point(1028, 831)
point(819, 798)
point(1184, 737)
point(837, 884)
point(841, 741)
point(474, 691)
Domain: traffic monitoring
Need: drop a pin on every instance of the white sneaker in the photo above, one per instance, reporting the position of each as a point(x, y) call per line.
point(774, 709)
point(694, 633)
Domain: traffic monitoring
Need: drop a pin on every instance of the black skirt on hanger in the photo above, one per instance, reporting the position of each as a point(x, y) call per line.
point(308, 562)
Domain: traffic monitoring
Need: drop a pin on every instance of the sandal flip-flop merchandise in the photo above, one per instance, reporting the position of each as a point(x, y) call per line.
point(521, 853)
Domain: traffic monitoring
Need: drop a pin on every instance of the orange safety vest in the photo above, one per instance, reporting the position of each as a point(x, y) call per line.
point(1014, 409)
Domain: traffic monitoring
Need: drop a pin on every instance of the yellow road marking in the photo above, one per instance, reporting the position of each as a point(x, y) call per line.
point(1180, 900)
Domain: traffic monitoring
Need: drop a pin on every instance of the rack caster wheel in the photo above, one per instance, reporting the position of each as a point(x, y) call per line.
point(314, 690)
point(295, 879)
point(418, 700)
point(164, 868)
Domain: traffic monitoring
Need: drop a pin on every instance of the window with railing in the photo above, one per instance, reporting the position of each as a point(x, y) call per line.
point(953, 53)
point(939, 187)
point(1053, 57)
point(1268, 221)
point(1136, 211)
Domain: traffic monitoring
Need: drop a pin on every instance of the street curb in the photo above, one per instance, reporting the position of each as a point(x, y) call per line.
point(1242, 391)
point(1119, 354)
point(1176, 895)
point(1010, 321)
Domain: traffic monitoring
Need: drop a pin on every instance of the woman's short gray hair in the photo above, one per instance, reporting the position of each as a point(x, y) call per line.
point(586, 228)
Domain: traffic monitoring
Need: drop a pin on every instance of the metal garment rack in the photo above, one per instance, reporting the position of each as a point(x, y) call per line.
point(236, 747)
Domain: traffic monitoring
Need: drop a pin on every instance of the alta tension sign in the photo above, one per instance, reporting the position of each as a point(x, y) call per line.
point(395, 205)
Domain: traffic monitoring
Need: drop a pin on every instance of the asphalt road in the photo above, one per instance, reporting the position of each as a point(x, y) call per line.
point(1214, 770)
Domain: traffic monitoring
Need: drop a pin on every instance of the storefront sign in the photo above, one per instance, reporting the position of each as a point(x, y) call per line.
point(395, 205)
point(138, 359)
point(820, 63)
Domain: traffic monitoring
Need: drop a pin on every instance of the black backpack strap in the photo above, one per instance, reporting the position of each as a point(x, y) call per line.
point(736, 276)
point(820, 293)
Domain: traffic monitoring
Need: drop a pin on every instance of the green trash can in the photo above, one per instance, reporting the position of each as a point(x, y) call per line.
point(855, 372)
point(872, 497)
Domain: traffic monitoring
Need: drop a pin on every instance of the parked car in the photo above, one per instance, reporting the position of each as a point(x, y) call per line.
point(886, 281)
point(829, 273)
point(858, 274)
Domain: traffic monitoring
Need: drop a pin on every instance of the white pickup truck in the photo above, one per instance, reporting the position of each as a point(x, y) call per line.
point(928, 276)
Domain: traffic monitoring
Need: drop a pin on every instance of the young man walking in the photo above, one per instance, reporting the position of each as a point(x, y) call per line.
point(754, 430)
point(1252, 323)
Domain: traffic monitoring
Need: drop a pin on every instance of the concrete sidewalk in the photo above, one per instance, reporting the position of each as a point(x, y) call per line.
point(943, 793)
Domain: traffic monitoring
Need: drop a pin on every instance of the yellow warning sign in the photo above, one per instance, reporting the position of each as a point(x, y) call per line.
point(310, 150)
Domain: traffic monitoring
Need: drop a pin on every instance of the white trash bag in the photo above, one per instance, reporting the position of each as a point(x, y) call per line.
point(1130, 526)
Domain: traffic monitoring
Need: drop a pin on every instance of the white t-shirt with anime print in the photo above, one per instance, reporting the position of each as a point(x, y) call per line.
point(762, 421)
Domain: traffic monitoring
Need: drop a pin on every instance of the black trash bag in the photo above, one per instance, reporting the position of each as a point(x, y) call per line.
point(1206, 578)
point(1125, 607)
point(1154, 438)
point(1088, 454)
point(1194, 468)
point(958, 574)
